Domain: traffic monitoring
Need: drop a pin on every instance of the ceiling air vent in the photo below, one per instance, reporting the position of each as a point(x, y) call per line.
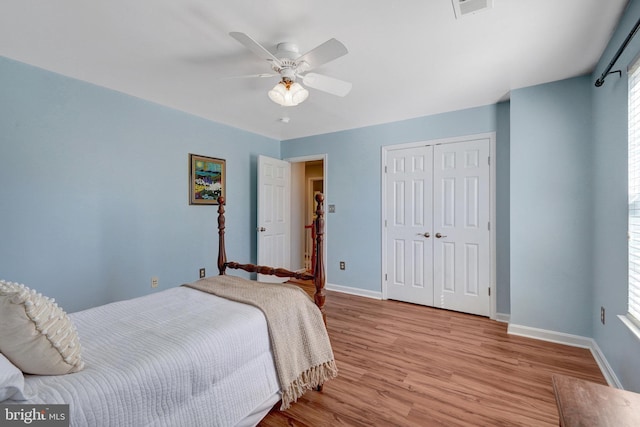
point(468, 7)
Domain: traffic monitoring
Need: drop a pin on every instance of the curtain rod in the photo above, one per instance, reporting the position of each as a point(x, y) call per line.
point(608, 71)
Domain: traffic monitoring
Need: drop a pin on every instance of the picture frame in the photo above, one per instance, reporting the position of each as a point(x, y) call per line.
point(207, 179)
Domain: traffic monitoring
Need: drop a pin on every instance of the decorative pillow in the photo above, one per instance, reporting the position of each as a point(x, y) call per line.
point(11, 381)
point(36, 335)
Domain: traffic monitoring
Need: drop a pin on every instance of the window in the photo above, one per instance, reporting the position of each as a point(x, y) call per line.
point(634, 193)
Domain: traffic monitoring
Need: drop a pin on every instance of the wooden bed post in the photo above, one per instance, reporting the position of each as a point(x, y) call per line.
point(222, 254)
point(318, 275)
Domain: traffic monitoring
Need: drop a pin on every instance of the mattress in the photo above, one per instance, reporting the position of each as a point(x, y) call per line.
point(179, 357)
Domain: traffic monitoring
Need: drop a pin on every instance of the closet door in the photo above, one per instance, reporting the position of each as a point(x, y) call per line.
point(409, 181)
point(461, 256)
point(437, 226)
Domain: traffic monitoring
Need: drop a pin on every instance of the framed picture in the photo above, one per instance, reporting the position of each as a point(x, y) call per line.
point(207, 180)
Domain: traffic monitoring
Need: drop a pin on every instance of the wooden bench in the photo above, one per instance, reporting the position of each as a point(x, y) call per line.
point(584, 403)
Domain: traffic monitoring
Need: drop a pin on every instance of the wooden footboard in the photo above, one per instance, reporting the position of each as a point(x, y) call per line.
point(318, 275)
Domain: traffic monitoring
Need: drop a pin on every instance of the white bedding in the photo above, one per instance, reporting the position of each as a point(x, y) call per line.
point(179, 357)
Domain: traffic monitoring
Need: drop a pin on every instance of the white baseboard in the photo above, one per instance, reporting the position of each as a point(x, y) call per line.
point(502, 317)
point(606, 369)
point(354, 291)
point(551, 336)
point(572, 340)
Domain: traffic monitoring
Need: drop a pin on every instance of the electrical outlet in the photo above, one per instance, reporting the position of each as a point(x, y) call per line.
point(154, 282)
point(602, 315)
point(342, 265)
point(202, 273)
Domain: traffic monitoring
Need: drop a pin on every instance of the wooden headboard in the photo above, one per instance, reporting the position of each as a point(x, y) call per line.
point(318, 276)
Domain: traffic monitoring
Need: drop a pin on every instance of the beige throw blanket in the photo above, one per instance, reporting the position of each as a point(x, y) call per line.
point(299, 339)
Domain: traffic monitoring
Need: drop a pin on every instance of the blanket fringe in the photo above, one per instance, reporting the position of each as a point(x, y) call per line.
point(307, 380)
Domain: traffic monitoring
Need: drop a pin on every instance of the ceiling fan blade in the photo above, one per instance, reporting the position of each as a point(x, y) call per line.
point(327, 84)
point(254, 47)
point(250, 76)
point(326, 52)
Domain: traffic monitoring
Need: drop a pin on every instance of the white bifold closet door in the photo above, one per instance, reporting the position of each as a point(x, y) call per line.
point(438, 237)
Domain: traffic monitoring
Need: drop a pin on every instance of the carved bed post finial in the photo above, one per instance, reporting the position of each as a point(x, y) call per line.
point(319, 273)
point(222, 254)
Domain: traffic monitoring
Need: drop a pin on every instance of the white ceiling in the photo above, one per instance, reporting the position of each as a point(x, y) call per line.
point(407, 58)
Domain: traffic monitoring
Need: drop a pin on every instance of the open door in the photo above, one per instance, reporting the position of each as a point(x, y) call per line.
point(274, 215)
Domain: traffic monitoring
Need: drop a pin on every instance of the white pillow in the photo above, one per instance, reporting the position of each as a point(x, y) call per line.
point(36, 335)
point(11, 381)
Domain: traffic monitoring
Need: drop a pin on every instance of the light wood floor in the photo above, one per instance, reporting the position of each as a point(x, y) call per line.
point(407, 365)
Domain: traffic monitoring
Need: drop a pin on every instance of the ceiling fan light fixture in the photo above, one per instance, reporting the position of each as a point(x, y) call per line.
point(288, 93)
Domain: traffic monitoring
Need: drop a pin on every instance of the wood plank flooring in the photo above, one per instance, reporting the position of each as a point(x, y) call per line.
point(407, 365)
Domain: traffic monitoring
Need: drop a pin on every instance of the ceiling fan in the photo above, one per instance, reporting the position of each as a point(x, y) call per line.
point(289, 65)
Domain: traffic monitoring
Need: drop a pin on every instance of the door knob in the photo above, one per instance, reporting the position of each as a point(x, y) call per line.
point(261, 229)
point(426, 234)
point(438, 235)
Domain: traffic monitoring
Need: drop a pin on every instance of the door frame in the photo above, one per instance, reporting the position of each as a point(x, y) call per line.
point(325, 168)
point(492, 205)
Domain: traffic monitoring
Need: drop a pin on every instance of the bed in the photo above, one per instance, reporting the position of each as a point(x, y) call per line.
point(211, 352)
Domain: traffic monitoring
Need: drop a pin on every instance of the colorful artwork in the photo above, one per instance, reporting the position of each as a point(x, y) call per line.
point(206, 180)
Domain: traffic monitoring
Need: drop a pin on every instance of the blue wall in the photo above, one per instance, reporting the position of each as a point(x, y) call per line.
point(101, 203)
point(569, 207)
point(551, 285)
point(93, 193)
point(610, 288)
point(354, 186)
point(94, 190)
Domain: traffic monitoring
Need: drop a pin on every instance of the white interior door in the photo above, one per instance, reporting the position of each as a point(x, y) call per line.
point(461, 215)
point(438, 209)
point(274, 215)
point(409, 225)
